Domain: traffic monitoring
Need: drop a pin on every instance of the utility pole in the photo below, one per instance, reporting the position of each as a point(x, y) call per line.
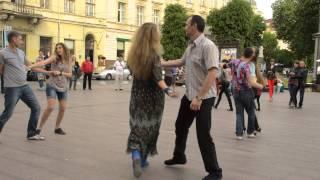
point(316, 49)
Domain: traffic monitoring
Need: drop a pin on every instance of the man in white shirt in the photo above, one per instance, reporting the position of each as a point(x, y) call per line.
point(119, 66)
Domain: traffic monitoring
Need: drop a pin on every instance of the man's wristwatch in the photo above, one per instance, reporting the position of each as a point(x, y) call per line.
point(199, 98)
point(60, 73)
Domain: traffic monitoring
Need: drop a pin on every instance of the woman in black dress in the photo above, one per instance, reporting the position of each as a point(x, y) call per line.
point(147, 95)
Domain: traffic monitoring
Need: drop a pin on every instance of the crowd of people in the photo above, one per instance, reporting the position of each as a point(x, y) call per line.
point(241, 78)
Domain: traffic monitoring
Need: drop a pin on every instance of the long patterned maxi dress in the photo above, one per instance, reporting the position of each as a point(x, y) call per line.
point(146, 108)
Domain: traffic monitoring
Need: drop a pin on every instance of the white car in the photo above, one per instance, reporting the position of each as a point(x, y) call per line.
point(110, 74)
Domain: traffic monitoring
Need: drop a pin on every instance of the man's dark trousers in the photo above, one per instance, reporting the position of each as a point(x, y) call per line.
point(203, 126)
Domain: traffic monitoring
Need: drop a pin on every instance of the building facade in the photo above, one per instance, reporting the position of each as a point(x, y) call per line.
point(80, 24)
point(94, 28)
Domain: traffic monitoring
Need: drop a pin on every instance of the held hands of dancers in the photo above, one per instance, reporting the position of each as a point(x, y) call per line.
point(170, 92)
point(56, 73)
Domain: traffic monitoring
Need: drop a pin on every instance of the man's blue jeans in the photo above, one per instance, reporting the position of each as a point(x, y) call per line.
point(244, 100)
point(12, 97)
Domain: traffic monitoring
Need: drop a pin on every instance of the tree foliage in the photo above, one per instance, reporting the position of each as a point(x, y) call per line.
point(174, 40)
point(233, 21)
point(295, 22)
point(270, 45)
point(285, 57)
point(258, 26)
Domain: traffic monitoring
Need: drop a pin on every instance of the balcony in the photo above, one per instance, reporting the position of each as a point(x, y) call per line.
point(9, 11)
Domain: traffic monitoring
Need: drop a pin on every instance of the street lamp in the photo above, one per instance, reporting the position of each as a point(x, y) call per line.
point(316, 50)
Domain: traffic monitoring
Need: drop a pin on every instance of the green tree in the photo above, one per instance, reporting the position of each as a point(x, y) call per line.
point(285, 57)
point(174, 40)
point(296, 21)
point(284, 18)
point(270, 45)
point(254, 37)
point(232, 22)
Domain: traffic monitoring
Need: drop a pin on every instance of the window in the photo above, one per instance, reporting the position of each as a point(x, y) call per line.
point(46, 44)
point(69, 6)
point(120, 48)
point(140, 15)
point(121, 12)
point(44, 4)
point(90, 7)
point(24, 46)
point(70, 45)
point(202, 2)
point(156, 16)
point(20, 2)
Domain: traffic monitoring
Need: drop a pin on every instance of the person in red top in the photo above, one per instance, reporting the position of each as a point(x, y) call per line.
point(87, 69)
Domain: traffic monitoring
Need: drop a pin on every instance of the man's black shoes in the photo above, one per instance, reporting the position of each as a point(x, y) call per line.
point(175, 161)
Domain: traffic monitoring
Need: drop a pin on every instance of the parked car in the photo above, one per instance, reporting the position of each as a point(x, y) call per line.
point(110, 74)
point(32, 76)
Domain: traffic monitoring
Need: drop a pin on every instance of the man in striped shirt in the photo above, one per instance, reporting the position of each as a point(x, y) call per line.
point(13, 64)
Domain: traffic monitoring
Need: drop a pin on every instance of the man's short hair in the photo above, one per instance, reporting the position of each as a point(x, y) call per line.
point(196, 19)
point(12, 34)
point(248, 52)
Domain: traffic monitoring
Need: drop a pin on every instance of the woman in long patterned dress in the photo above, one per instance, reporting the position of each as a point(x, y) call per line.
point(57, 85)
point(147, 95)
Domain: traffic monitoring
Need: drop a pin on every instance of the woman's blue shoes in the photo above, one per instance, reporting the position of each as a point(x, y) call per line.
point(136, 163)
point(144, 163)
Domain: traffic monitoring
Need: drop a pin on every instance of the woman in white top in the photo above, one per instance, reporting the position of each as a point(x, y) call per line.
point(119, 66)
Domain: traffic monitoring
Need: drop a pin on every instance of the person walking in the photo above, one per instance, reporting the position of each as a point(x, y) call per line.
point(119, 65)
point(225, 84)
point(75, 73)
point(271, 76)
point(57, 85)
point(87, 68)
point(201, 60)
point(302, 82)
point(13, 64)
point(41, 76)
point(243, 93)
point(293, 84)
point(147, 95)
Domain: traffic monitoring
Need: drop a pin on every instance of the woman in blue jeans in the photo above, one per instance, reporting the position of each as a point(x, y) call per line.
point(57, 85)
point(243, 94)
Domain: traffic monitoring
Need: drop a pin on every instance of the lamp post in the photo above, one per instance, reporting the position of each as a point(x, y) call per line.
point(316, 50)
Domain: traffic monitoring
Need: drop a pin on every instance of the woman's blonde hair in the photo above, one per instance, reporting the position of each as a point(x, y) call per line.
point(144, 49)
point(65, 57)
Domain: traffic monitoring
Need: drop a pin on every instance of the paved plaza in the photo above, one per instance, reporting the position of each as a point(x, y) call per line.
point(97, 127)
